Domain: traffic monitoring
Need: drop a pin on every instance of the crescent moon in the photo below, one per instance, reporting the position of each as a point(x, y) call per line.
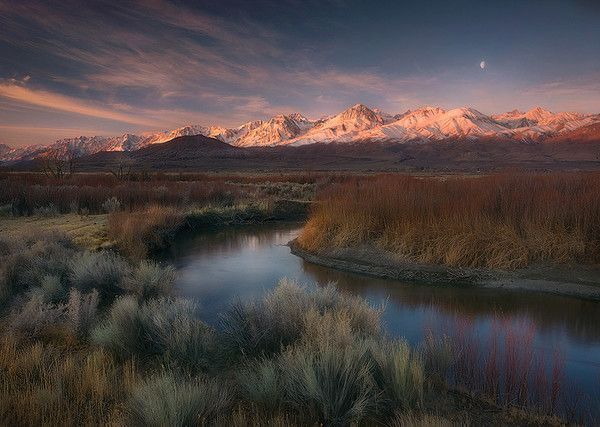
point(482, 65)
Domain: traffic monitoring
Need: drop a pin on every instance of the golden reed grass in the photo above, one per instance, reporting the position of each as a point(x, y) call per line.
point(502, 221)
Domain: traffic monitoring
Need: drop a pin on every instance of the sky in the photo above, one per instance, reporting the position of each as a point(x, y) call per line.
point(72, 67)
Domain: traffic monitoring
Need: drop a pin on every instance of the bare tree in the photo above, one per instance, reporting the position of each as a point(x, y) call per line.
point(122, 168)
point(58, 164)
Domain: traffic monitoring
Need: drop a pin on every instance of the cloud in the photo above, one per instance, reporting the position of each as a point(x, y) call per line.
point(54, 101)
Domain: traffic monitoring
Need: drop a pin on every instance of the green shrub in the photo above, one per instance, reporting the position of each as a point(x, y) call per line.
point(81, 311)
point(104, 271)
point(28, 261)
point(260, 383)
point(150, 280)
point(257, 329)
point(34, 317)
point(165, 400)
point(399, 373)
point(163, 327)
point(334, 384)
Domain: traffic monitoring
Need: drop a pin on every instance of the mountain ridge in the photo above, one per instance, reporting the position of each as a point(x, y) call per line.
point(356, 123)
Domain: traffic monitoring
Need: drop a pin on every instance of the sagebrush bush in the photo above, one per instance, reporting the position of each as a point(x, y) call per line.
point(399, 373)
point(81, 312)
point(261, 383)
point(29, 261)
point(165, 400)
point(35, 317)
point(150, 280)
point(162, 327)
point(261, 328)
point(104, 271)
point(336, 384)
point(111, 205)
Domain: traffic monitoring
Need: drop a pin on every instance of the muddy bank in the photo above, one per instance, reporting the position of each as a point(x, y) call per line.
point(575, 281)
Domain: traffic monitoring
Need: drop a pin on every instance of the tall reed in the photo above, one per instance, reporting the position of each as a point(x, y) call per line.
point(503, 221)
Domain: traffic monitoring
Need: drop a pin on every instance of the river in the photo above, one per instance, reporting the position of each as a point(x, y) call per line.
point(220, 266)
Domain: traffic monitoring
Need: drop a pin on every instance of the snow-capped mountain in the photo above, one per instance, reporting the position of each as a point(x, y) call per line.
point(274, 131)
point(357, 123)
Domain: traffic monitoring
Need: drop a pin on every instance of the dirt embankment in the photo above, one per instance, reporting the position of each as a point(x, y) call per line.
point(575, 281)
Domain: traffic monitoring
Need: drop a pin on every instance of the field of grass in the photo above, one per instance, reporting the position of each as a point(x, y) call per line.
point(141, 214)
point(503, 221)
point(92, 338)
point(88, 231)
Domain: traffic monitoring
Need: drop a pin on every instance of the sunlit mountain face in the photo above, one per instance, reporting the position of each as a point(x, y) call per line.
point(127, 74)
point(357, 124)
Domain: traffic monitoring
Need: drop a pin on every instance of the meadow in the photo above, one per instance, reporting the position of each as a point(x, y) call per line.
point(96, 338)
point(500, 221)
point(92, 332)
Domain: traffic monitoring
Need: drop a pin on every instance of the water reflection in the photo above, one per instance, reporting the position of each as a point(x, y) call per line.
point(217, 267)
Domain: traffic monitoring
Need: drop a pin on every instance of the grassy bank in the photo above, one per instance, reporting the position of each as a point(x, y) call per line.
point(92, 338)
point(140, 214)
point(505, 221)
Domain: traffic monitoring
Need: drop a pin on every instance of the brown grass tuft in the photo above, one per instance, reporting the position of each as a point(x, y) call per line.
point(141, 232)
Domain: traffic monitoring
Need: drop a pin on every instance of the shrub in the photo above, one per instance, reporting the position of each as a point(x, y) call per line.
point(46, 211)
point(29, 261)
point(104, 271)
point(35, 317)
point(162, 327)
point(502, 221)
point(257, 329)
point(142, 232)
point(165, 400)
point(81, 311)
point(150, 280)
point(334, 383)
point(260, 383)
point(111, 205)
point(399, 373)
point(52, 289)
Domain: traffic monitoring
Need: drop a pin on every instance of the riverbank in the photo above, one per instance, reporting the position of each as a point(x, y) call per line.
point(573, 281)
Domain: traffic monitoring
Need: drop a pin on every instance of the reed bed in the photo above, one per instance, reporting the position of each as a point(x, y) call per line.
point(502, 221)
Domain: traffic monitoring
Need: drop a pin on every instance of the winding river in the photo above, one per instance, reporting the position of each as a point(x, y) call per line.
point(220, 266)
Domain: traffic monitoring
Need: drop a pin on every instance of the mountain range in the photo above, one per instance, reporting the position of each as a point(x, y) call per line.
point(356, 124)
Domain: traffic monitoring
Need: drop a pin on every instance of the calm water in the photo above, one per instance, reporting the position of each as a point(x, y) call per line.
point(219, 267)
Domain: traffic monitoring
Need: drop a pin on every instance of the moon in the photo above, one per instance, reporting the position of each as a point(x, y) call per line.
point(482, 65)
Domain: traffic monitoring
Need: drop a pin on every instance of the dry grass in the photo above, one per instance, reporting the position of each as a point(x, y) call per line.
point(44, 384)
point(88, 231)
point(501, 221)
point(139, 233)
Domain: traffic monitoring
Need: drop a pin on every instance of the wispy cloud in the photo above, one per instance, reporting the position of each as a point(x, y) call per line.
point(59, 102)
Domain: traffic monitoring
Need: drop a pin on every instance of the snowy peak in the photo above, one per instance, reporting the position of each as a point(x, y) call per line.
point(274, 131)
point(357, 123)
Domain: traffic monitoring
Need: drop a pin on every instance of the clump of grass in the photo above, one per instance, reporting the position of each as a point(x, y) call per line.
point(162, 328)
point(165, 400)
point(34, 261)
point(150, 280)
point(497, 221)
point(104, 271)
point(400, 374)
point(335, 384)
point(140, 233)
point(44, 384)
point(257, 329)
point(81, 312)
